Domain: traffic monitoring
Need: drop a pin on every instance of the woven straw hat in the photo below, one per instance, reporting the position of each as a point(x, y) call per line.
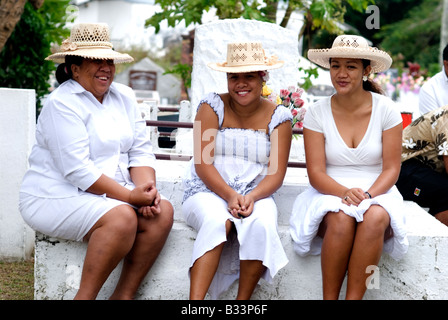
point(89, 40)
point(355, 47)
point(246, 57)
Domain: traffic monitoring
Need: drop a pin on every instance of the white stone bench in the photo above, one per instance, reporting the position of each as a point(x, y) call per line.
point(421, 274)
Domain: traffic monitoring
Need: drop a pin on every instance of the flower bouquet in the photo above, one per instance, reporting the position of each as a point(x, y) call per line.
point(290, 98)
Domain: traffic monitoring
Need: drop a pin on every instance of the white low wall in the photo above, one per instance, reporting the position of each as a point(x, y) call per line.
point(421, 274)
point(17, 126)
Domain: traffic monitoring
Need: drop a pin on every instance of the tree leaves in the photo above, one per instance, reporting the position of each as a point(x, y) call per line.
point(22, 60)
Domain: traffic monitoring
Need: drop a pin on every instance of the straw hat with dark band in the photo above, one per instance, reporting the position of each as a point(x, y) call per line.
point(355, 47)
point(89, 40)
point(246, 57)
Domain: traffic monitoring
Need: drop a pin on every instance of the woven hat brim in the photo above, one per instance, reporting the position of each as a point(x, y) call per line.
point(242, 69)
point(379, 60)
point(107, 54)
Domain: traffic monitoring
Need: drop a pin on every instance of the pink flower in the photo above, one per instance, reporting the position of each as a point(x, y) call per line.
point(286, 101)
point(300, 91)
point(298, 103)
point(284, 93)
point(299, 124)
point(295, 95)
point(294, 112)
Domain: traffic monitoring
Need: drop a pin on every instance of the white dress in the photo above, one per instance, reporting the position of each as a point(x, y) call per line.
point(241, 157)
point(77, 140)
point(351, 167)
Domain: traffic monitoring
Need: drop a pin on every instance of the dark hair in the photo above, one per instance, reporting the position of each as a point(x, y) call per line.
point(445, 53)
point(369, 84)
point(64, 70)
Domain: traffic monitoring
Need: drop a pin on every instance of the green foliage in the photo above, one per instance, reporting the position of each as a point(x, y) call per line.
point(191, 11)
point(319, 14)
point(417, 37)
point(309, 73)
point(22, 60)
point(409, 31)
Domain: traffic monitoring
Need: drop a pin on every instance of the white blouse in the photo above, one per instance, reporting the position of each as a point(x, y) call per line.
point(78, 139)
point(366, 159)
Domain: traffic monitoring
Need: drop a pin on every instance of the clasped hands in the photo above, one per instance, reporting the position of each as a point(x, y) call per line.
point(354, 196)
point(146, 198)
point(240, 206)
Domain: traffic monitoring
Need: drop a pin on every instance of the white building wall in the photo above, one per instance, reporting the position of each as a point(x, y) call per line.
point(17, 127)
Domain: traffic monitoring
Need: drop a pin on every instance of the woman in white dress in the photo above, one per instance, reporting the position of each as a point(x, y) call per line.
point(91, 175)
point(242, 144)
point(352, 209)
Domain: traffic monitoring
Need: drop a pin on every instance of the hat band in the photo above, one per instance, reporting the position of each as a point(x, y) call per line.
point(67, 45)
point(266, 61)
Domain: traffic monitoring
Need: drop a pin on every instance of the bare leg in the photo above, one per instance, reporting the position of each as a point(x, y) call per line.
point(250, 273)
point(367, 249)
point(204, 269)
point(150, 239)
point(110, 239)
point(442, 217)
point(338, 231)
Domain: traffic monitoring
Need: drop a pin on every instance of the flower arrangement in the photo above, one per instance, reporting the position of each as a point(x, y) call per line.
point(410, 80)
point(408, 83)
point(290, 98)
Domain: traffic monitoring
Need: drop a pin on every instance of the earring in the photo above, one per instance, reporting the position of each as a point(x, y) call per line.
point(364, 78)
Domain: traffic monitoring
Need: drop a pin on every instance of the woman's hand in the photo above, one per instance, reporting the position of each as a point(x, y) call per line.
point(240, 206)
point(143, 195)
point(235, 204)
point(248, 205)
point(151, 211)
point(354, 196)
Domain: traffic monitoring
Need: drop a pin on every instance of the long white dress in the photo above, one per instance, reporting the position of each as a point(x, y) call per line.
point(351, 167)
point(241, 157)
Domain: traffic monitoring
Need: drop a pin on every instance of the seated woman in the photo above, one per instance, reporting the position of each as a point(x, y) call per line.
point(241, 144)
point(353, 149)
point(91, 175)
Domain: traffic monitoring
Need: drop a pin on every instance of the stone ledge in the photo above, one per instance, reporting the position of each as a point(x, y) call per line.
point(421, 274)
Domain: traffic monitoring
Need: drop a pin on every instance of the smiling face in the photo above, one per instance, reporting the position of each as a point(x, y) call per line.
point(346, 74)
point(244, 87)
point(95, 75)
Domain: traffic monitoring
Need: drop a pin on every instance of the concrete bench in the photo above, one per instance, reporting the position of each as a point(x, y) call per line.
point(421, 274)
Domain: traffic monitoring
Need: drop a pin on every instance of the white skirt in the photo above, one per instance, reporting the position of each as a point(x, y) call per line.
point(311, 206)
point(257, 237)
point(66, 218)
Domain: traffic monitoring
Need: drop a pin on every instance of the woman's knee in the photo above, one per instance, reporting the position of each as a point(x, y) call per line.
point(338, 223)
point(121, 220)
point(166, 215)
point(376, 220)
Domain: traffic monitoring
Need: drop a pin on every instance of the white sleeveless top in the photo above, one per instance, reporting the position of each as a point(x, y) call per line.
point(241, 155)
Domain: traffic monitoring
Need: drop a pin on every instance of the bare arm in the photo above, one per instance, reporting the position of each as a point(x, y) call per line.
point(391, 161)
point(445, 161)
point(204, 135)
point(138, 197)
point(278, 163)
